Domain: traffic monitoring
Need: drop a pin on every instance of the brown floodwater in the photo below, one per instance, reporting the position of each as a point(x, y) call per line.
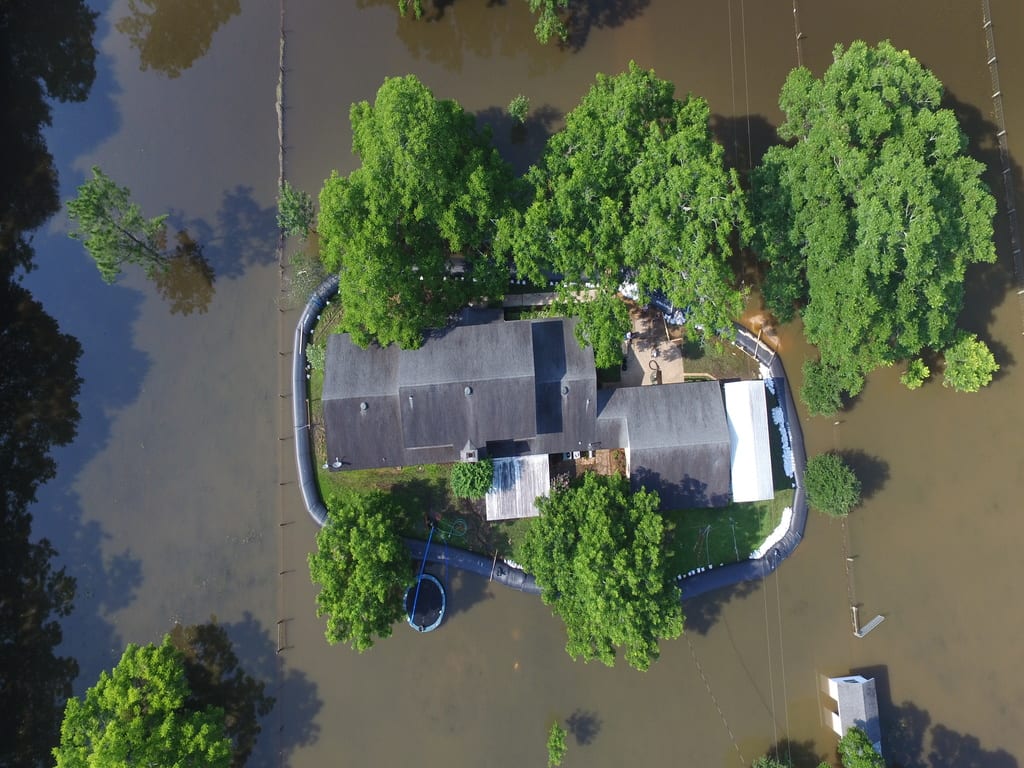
point(169, 506)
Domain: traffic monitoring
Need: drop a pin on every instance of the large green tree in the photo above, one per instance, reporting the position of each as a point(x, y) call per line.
point(113, 229)
point(363, 569)
point(138, 714)
point(597, 552)
point(869, 217)
point(633, 185)
point(422, 204)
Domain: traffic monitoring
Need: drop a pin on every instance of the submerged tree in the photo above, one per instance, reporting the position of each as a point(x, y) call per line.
point(409, 231)
point(113, 229)
point(363, 569)
point(139, 714)
point(633, 186)
point(598, 554)
point(869, 219)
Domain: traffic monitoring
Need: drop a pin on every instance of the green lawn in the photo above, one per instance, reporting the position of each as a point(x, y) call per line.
point(702, 537)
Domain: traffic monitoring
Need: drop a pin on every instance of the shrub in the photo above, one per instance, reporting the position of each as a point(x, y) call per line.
point(471, 480)
point(832, 487)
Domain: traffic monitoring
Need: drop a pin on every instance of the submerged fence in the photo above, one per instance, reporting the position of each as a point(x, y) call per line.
point(1004, 152)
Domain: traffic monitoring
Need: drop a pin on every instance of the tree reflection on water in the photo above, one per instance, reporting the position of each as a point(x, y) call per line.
point(170, 35)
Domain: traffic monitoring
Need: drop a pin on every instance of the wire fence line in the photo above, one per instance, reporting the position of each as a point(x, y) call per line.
point(1004, 152)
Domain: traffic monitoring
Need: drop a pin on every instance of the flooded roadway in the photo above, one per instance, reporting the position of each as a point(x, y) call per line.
point(168, 506)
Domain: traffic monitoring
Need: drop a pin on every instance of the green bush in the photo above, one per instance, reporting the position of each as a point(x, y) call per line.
point(832, 487)
point(472, 480)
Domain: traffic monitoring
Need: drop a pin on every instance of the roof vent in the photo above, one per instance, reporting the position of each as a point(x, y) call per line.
point(363, 406)
point(565, 390)
point(468, 391)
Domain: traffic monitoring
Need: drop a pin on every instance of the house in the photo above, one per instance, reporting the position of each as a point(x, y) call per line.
point(856, 705)
point(500, 389)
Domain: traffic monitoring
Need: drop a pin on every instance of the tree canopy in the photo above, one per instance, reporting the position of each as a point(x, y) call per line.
point(633, 185)
point(597, 553)
point(363, 569)
point(138, 714)
point(869, 217)
point(113, 229)
point(418, 211)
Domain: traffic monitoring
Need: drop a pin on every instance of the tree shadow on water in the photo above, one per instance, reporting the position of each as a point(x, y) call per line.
point(521, 144)
point(584, 16)
point(584, 725)
point(244, 234)
point(702, 612)
point(291, 723)
point(186, 283)
point(797, 754)
point(909, 740)
point(872, 471)
point(464, 590)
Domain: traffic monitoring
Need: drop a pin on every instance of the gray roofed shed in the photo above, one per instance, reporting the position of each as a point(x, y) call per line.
point(677, 441)
point(857, 702)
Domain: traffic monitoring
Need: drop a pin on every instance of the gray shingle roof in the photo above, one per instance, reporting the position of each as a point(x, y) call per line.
point(678, 440)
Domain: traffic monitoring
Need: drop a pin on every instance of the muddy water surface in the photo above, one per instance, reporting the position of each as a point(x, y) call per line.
point(168, 507)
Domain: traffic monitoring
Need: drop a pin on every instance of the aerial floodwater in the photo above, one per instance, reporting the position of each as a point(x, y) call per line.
point(177, 499)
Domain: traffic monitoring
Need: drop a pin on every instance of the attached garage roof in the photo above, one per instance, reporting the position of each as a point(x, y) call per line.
point(747, 412)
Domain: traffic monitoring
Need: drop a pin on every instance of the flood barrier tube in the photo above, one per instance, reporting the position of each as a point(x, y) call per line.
point(500, 571)
point(748, 570)
point(493, 569)
point(300, 398)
